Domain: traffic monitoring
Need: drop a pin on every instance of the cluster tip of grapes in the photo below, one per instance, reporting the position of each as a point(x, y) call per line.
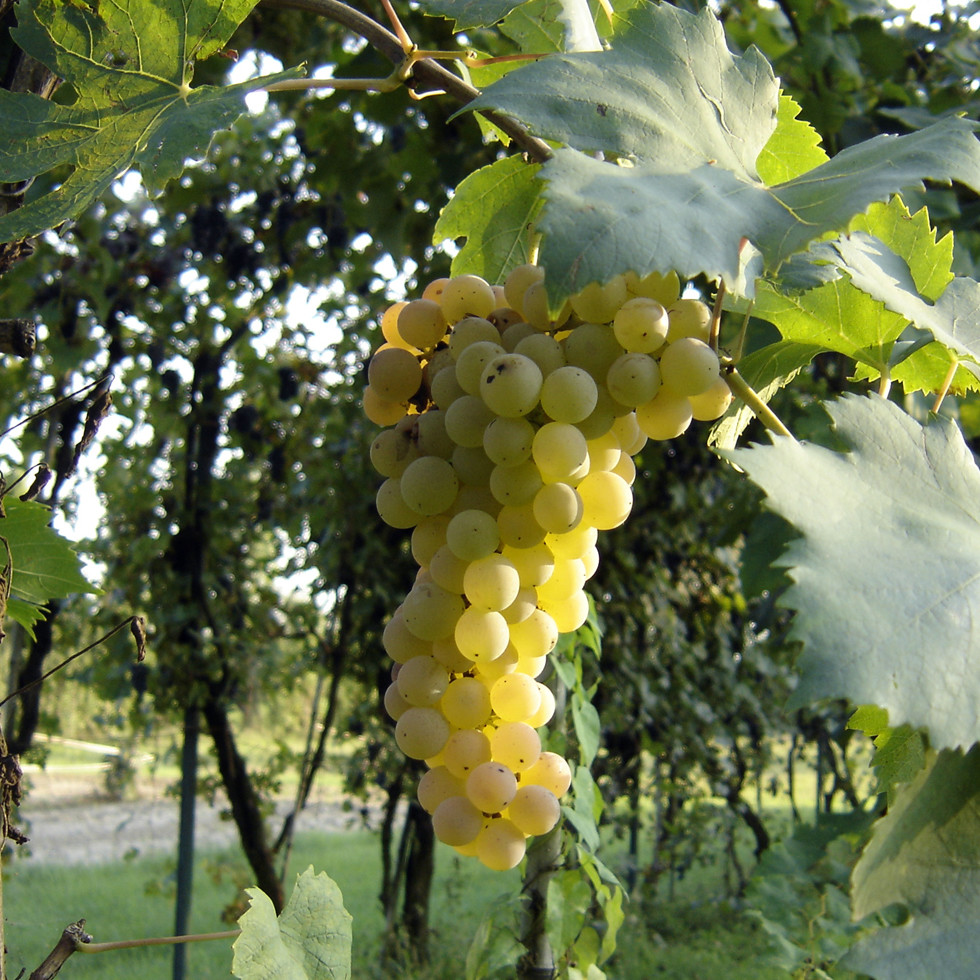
point(508, 443)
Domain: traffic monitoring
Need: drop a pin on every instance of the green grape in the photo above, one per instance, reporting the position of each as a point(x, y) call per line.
point(392, 450)
point(536, 636)
point(593, 348)
point(429, 485)
point(394, 703)
point(421, 323)
point(471, 363)
point(428, 537)
point(546, 711)
point(515, 485)
point(487, 671)
point(665, 416)
point(574, 543)
point(506, 442)
point(550, 771)
point(436, 785)
point(465, 296)
point(534, 810)
point(512, 336)
point(625, 468)
point(689, 318)
point(466, 419)
point(471, 330)
point(476, 498)
point(510, 385)
point(447, 570)
point(389, 327)
point(500, 846)
point(466, 749)
point(569, 394)
point(598, 303)
point(471, 534)
point(713, 402)
point(505, 317)
point(641, 325)
point(400, 643)
point(557, 508)
point(430, 612)
point(434, 290)
point(633, 379)
point(466, 705)
point(491, 583)
point(517, 282)
point(515, 697)
point(518, 526)
point(544, 350)
point(516, 744)
point(532, 666)
point(394, 373)
point(568, 578)
point(534, 306)
point(688, 367)
point(627, 430)
point(522, 606)
point(604, 452)
point(534, 565)
point(600, 420)
point(490, 786)
point(444, 388)
point(481, 634)
point(472, 465)
point(606, 499)
point(456, 821)
point(421, 733)
point(559, 451)
point(422, 681)
point(391, 506)
point(569, 613)
point(447, 653)
point(663, 288)
point(431, 437)
point(380, 410)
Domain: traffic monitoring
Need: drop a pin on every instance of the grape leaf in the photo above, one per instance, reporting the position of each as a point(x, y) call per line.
point(44, 565)
point(601, 218)
point(925, 854)
point(470, 13)
point(493, 209)
point(954, 318)
point(310, 940)
point(900, 753)
point(129, 67)
point(886, 574)
point(794, 147)
point(689, 122)
point(668, 90)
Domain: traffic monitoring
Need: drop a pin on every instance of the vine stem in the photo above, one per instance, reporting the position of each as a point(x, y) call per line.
point(427, 72)
point(83, 947)
point(742, 389)
point(944, 388)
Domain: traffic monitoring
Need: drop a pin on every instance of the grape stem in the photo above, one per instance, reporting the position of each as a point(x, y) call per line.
point(84, 947)
point(742, 389)
point(423, 71)
point(944, 388)
point(715, 327)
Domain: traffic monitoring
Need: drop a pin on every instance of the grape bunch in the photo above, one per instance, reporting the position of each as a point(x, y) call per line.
point(508, 443)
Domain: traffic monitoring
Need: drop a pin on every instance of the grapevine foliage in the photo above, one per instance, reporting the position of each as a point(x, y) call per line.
point(310, 939)
point(129, 67)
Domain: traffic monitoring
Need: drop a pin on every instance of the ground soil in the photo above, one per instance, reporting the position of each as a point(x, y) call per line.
point(70, 820)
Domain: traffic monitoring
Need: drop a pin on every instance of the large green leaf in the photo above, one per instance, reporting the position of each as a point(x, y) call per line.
point(310, 940)
point(886, 574)
point(691, 128)
point(44, 565)
point(925, 854)
point(954, 318)
point(794, 147)
point(470, 13)
point(669, 90)
point(129, 67)
point(493, 210)
point(601, 218)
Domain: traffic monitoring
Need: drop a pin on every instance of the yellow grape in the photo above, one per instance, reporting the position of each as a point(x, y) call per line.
point(456, 821)
point(500, 846)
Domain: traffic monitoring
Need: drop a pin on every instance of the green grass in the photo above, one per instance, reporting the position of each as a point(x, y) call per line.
point(687, 939)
